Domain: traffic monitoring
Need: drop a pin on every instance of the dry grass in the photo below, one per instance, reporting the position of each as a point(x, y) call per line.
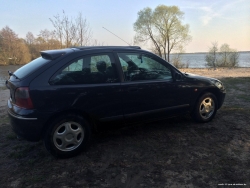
point(221, 72)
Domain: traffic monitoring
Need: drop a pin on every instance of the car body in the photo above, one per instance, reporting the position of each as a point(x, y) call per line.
point(65, 94)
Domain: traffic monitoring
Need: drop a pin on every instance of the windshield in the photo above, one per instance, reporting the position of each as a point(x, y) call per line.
point(30, 67)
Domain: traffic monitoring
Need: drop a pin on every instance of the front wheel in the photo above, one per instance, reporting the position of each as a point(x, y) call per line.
point(205, 108)
point(67, 136)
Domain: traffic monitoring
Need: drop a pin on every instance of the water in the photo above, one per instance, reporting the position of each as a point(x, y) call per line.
point(195, 60)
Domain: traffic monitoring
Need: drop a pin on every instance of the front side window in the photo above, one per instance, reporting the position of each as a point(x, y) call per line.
point(138, 67)
point(90, 69)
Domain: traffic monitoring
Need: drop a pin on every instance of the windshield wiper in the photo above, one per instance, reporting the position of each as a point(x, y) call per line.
point(12, 74)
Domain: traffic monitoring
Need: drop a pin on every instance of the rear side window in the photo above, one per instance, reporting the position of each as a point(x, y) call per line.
point(92, 69)
point(30, 67)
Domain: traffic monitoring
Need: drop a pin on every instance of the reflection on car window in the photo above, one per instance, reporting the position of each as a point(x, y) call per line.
point(87, 70)
point(141, 67)
point(75, 66)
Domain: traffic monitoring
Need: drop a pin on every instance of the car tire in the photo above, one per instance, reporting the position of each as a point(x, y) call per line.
point(67, 136)
point(205, 108)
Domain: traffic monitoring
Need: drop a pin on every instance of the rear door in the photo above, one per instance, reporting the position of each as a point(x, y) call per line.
point(82, 85)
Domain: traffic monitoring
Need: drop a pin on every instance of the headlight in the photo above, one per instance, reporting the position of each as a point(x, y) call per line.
point(218, 84)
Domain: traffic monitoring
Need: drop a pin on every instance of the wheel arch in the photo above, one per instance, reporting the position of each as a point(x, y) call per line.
point(83, 114)
point(214, 91)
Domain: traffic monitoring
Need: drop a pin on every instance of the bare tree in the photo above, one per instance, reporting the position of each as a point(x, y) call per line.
point(71, 31)
point(225, 57)
point(234, 58)
point(58, 25)
point(163, 27)
point(12, 49)
point(30, 39)
point(44, 37)
point(48, 38)
point(84, 33)
point(228, 57)
point(211, 55)
point(22, 54)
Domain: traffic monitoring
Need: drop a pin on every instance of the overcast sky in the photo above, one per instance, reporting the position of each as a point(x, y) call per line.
point(224, 21)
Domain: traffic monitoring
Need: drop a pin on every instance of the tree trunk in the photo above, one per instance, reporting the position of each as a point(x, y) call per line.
point(168, 48)
point(214, 60)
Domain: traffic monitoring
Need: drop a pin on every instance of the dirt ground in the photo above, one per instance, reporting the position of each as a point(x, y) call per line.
point(174, 152)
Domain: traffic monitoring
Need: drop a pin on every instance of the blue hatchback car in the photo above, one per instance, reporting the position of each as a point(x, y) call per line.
point(64, 95)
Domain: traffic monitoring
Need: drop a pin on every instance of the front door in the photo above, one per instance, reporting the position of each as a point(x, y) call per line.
point(149, 90)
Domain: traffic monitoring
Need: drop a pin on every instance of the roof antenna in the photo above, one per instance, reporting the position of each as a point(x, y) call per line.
point(116, 36)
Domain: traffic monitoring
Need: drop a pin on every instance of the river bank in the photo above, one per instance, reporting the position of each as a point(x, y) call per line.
point(198, 60)
point(220, 72)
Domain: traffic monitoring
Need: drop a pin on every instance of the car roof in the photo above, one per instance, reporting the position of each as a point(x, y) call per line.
point(54, 54)
point(106, 47)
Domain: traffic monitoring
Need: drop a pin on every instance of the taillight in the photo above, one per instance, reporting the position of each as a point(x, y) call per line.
point(22, 98)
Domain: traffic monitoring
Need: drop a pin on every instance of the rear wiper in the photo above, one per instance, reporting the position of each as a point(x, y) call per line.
point(12, 74)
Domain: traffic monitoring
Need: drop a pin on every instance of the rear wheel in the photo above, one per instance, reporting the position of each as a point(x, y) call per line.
point(205, 108)
point(67, 136)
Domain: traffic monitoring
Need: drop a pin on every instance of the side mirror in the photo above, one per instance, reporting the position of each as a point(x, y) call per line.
point(178, 76)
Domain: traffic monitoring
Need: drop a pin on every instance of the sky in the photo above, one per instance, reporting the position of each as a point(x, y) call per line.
point(221, 21)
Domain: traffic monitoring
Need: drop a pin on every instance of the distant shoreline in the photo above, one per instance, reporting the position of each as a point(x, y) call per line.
point(203, 52)
point(219, 72)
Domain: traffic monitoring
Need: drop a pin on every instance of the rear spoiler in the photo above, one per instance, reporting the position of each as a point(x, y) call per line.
point(52, 54)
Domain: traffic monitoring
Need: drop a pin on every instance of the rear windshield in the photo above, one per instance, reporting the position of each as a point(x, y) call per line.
point(30, 67)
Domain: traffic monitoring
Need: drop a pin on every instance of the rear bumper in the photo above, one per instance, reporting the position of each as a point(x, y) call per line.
point(25, 126)
point(20, 117)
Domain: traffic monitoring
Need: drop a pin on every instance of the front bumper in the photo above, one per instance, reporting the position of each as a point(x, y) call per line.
point(221, 98)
